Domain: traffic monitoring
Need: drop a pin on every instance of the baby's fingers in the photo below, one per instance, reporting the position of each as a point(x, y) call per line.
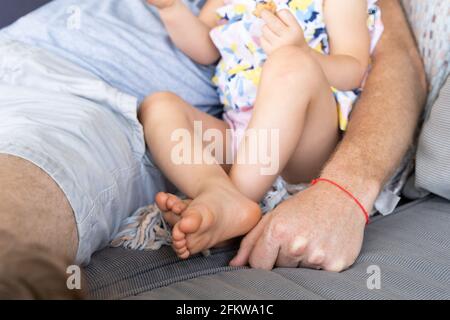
point(266, 45)
point(269, 35)
point(287, 18)
point(273, 22)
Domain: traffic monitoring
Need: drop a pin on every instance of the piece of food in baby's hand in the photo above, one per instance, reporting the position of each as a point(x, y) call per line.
point(265, 5)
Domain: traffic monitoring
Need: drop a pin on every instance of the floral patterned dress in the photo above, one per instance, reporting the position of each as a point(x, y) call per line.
point(238, 39)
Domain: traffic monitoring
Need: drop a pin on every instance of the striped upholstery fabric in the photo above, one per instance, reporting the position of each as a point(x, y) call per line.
point(411, 249)
point(433, 154)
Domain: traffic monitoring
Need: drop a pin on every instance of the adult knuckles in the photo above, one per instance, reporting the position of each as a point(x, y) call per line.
point(336, 265)
point(298, 246)
point(317, 257)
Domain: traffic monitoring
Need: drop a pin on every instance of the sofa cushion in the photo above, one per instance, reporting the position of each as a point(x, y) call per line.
point(429, 23)
point(433, 153)
point(410, 249)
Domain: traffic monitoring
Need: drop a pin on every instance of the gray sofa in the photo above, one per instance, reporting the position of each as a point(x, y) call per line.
point(408, 252)
point(405, 255)
point(411, 248)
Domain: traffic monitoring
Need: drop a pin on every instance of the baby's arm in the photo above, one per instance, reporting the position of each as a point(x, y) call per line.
point(190, 33)
point(348, 61)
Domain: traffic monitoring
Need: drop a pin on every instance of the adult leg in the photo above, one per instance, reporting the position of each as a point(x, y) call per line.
point(34, 209)
point(296, 100)
point(88, 141)
point(38, 234)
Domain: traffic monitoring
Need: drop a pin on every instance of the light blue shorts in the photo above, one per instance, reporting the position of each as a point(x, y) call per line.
point(83, 133)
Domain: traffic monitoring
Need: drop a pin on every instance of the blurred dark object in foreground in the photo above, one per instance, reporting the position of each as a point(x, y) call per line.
point(11, 10)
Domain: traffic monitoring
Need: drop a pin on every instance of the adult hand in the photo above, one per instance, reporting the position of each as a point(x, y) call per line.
point(320, 228)
point(281, 29)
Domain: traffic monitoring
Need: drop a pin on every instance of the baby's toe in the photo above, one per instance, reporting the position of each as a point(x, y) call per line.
point(171, 201)
point(177, 234)
point(181, 251)
point(184, 255)
point(179, 207)
point(171, 218)
point(161, 201)
point(180, 244)
point(191, 222)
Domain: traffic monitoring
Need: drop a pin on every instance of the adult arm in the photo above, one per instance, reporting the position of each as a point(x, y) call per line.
point(322, 227)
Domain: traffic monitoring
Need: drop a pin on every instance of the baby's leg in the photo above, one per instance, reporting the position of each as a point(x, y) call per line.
point(294, 99)
point(218, 212)
point(167, 120)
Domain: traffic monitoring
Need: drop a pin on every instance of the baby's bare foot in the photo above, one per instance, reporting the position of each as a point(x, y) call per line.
point(168, 202)
point(172, 207)
point(215, 216)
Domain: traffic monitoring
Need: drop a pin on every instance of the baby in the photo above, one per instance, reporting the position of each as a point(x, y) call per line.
point(290, 67)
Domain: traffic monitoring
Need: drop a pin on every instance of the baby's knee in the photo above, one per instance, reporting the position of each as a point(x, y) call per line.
point(160, 102)
point(292, 65)
point(159, 99)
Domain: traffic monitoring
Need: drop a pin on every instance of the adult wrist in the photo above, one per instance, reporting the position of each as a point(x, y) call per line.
point(363, 188)
point(335, 184)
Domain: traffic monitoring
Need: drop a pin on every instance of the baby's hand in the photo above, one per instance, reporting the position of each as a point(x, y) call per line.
point(281, 30)
point(161, 4)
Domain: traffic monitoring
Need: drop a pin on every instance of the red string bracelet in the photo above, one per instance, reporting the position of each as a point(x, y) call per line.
point(366, 214)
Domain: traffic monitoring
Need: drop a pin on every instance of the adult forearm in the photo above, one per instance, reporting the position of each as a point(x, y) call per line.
point(189, 33)
point(383, 123)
